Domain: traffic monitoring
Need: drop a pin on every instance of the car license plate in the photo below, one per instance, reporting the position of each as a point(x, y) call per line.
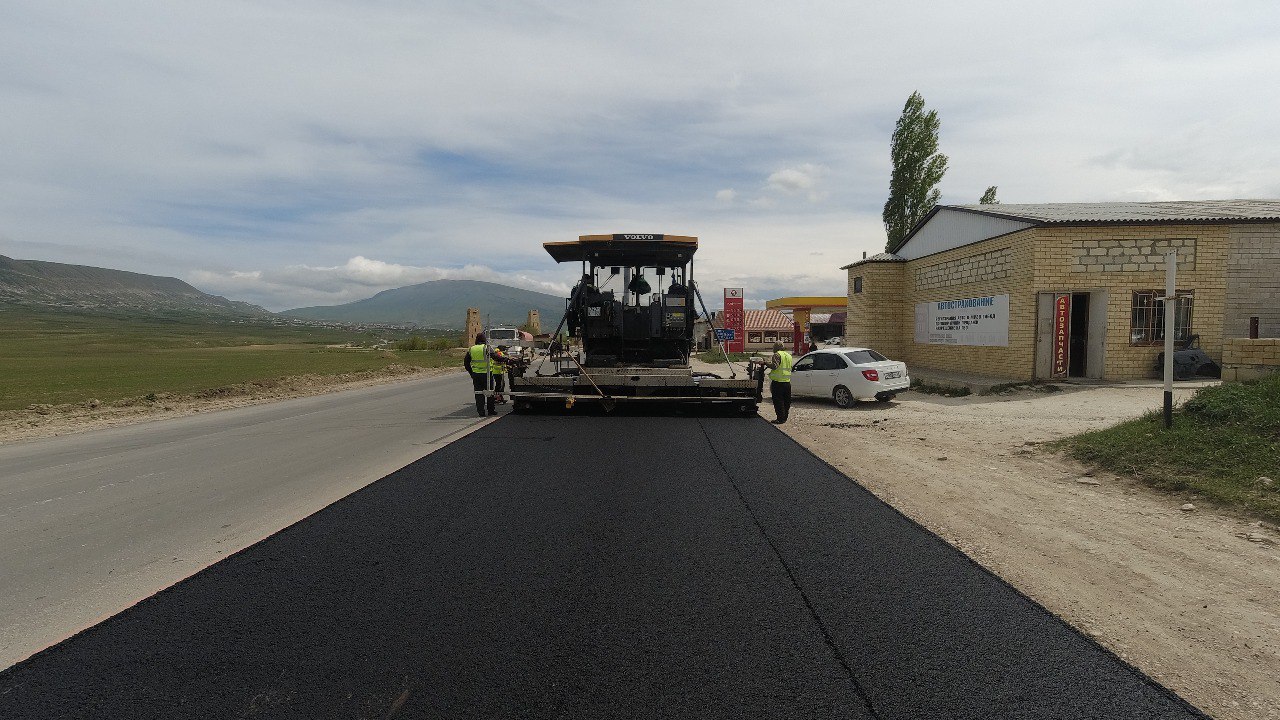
point(892, 375)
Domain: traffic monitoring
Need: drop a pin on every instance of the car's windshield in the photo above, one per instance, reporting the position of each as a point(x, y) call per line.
point(502, 334)
point(862, 357)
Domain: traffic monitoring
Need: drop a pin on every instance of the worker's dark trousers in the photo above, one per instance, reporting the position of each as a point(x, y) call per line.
point(781, 392)
point(480, 382)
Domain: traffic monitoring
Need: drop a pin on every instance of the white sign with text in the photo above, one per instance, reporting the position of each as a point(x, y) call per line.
point(968, 321)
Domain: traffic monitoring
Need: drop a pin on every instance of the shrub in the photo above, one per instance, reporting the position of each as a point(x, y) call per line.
point(933, 389)
point(414, 342)
point(1256, 404)
point(446, 343)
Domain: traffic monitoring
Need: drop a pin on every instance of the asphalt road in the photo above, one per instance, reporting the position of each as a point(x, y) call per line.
point(90, 523)
point(626, 567)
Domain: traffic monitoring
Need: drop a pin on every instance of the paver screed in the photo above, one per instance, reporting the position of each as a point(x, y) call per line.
point(592, 567)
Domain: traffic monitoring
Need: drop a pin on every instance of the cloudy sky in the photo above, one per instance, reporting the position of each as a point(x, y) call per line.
point(295, 153)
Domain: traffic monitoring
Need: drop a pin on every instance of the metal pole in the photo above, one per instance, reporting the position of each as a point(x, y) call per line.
point(488, 321)
point(1170, 306)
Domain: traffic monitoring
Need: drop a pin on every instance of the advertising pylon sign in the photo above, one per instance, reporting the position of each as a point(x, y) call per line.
point(735, 320)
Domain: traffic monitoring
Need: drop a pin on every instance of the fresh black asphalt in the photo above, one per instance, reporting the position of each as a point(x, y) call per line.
point(592, 567)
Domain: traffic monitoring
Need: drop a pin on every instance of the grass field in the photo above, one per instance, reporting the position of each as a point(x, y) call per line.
point(1222, 440)
point(53, 358)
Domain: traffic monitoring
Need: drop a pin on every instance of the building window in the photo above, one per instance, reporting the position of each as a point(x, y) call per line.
point(1146, 326)
point(754, 337)
point(784, 337)
point(771, 337)
point(857, 284)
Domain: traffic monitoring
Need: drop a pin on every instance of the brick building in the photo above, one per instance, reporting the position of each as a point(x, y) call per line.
point(1073, 289)
point(763, 328)
point(766, 327)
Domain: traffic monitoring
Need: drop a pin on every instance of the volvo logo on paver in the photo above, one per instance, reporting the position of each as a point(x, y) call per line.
point(637, 237)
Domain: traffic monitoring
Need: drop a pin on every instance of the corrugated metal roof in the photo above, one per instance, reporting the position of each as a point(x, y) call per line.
point(766, 320)
point(878, 257)
point(1134, 212)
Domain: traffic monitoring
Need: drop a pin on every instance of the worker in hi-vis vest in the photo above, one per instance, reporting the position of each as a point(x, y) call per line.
point(483, 361)
point(780, 382)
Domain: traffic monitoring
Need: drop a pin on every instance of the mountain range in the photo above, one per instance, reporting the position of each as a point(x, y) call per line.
point(439, 304)
point(443, 304)
point(39, 284)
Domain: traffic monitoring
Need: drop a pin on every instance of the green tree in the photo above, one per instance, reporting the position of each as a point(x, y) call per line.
point(989, 197)
point(918, 167)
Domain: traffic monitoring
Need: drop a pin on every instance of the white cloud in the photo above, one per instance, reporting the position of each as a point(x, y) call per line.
point(801, 179)
point(726, 196)
point(795, 179)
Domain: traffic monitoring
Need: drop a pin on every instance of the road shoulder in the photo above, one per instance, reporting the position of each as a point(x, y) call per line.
point(41, 421)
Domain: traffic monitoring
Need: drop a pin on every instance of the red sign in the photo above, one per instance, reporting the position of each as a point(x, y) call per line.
point(735, 320)
point(1061, 335)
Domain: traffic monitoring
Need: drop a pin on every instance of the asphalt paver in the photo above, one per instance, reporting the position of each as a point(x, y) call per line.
point(592, 567)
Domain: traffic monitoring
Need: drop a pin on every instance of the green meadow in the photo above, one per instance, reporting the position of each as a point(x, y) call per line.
point(55, 357)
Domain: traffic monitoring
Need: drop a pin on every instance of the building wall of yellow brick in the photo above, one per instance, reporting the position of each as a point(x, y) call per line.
point(1245, 359)
point(1202, 255)
point(1114, 259)
point(872, 318)
point(1000, 266)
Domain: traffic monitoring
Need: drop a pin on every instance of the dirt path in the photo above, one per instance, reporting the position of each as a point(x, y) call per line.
point(40, 421)
point(1182, 595)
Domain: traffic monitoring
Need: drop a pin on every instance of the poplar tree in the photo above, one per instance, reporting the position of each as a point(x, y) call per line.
point(918, 167)
point(989, 197)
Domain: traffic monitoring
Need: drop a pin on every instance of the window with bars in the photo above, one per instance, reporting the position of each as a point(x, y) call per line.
point(754, 337)
point(1146, 326)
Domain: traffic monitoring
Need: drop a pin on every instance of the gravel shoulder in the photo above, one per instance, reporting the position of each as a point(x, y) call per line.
point(39, 421)
point(1186, 596)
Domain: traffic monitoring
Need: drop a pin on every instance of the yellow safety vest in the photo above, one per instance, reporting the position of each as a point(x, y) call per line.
point(479, 360)
point(782, 373)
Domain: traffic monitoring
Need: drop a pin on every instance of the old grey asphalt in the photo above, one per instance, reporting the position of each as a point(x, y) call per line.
point(92, 522)
point(624, 567)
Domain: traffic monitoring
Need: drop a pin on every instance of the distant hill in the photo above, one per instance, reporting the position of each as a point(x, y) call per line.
point(35, 283)
point(442, 304)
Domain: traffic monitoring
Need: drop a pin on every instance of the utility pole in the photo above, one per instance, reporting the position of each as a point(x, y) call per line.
point(1170, 317)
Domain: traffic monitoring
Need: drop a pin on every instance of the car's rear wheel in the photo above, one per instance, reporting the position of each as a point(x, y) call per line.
point(842, 396)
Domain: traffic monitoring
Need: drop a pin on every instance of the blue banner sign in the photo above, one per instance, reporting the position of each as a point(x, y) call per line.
point(724, 334)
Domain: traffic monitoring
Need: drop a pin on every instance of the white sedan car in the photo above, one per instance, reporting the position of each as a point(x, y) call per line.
point(848, 374)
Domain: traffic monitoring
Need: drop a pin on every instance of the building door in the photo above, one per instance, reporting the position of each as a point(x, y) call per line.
point(1044, 336)
point(1070, 334)
point(1097, 334)
point(1078, 361)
